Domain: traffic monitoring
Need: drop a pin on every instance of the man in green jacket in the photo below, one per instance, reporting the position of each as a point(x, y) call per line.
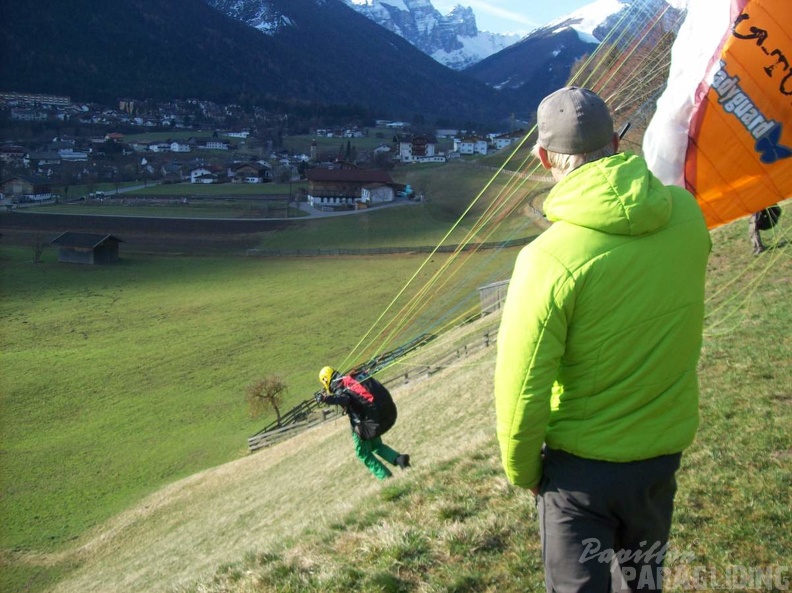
point(595, 385)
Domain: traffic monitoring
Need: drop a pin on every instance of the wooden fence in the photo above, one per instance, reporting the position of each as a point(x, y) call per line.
point(270, 436)
point(310, 413)
point(388, 250)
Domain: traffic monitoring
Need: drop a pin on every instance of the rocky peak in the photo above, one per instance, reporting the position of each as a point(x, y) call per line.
point(453, 39)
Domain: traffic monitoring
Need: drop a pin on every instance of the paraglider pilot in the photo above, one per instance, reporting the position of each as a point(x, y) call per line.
point(371, 412)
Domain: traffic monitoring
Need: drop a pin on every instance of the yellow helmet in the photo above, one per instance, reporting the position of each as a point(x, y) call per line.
point(326, 376)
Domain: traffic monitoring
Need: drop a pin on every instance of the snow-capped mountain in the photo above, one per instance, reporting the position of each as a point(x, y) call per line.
point(453, 39)
point(595, 21)
point(519, 75)
point(548, 53)
point(585, 21)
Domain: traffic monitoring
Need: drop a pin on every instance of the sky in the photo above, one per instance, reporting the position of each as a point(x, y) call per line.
point(513, 16)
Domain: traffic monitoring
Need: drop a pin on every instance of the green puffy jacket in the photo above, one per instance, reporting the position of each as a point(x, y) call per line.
point(602, 324)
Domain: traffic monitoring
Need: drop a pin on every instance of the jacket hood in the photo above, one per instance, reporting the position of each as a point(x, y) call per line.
point(617, 195)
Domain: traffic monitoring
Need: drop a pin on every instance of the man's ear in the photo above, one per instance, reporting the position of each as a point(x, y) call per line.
point(615, 143)
point(542, 154)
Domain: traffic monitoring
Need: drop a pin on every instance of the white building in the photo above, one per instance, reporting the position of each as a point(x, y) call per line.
point(376, 193)
point(202, 175)
point(180, 147)
point(503, 140)
point(471, 145)
point(414, 149)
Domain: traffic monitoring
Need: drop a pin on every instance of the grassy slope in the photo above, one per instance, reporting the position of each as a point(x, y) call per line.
point(118, 380)
point(303, 516)
point(139, 372)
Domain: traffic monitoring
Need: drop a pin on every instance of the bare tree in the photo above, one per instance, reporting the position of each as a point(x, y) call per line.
point(38, 243)
point(265, 394)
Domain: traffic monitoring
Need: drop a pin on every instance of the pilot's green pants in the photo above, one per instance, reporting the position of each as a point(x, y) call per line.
point(365, 450)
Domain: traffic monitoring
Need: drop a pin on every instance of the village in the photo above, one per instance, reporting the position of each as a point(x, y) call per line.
point(56, 150)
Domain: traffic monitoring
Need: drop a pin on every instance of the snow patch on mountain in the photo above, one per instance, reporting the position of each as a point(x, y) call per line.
point(259, 14)
point(586, 19)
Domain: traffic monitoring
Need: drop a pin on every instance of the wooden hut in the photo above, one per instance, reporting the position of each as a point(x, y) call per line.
point(20, 189)
point(87, 248)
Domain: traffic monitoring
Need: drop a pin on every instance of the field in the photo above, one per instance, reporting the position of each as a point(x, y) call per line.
point(173, 207)
point(154, 353)
point(199, 190)
point(227, 200)
point(118, 380)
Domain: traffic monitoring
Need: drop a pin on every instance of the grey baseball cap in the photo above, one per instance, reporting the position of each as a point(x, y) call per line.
point(573, 120)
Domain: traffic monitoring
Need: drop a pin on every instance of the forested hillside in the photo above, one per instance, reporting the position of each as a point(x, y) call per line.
point(165, 49)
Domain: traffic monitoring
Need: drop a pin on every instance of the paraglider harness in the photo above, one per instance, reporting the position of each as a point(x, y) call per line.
point(365, 400)
point(766, 219)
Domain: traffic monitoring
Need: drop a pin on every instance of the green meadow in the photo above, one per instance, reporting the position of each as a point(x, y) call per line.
point(211, 190)
point(118, 380)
